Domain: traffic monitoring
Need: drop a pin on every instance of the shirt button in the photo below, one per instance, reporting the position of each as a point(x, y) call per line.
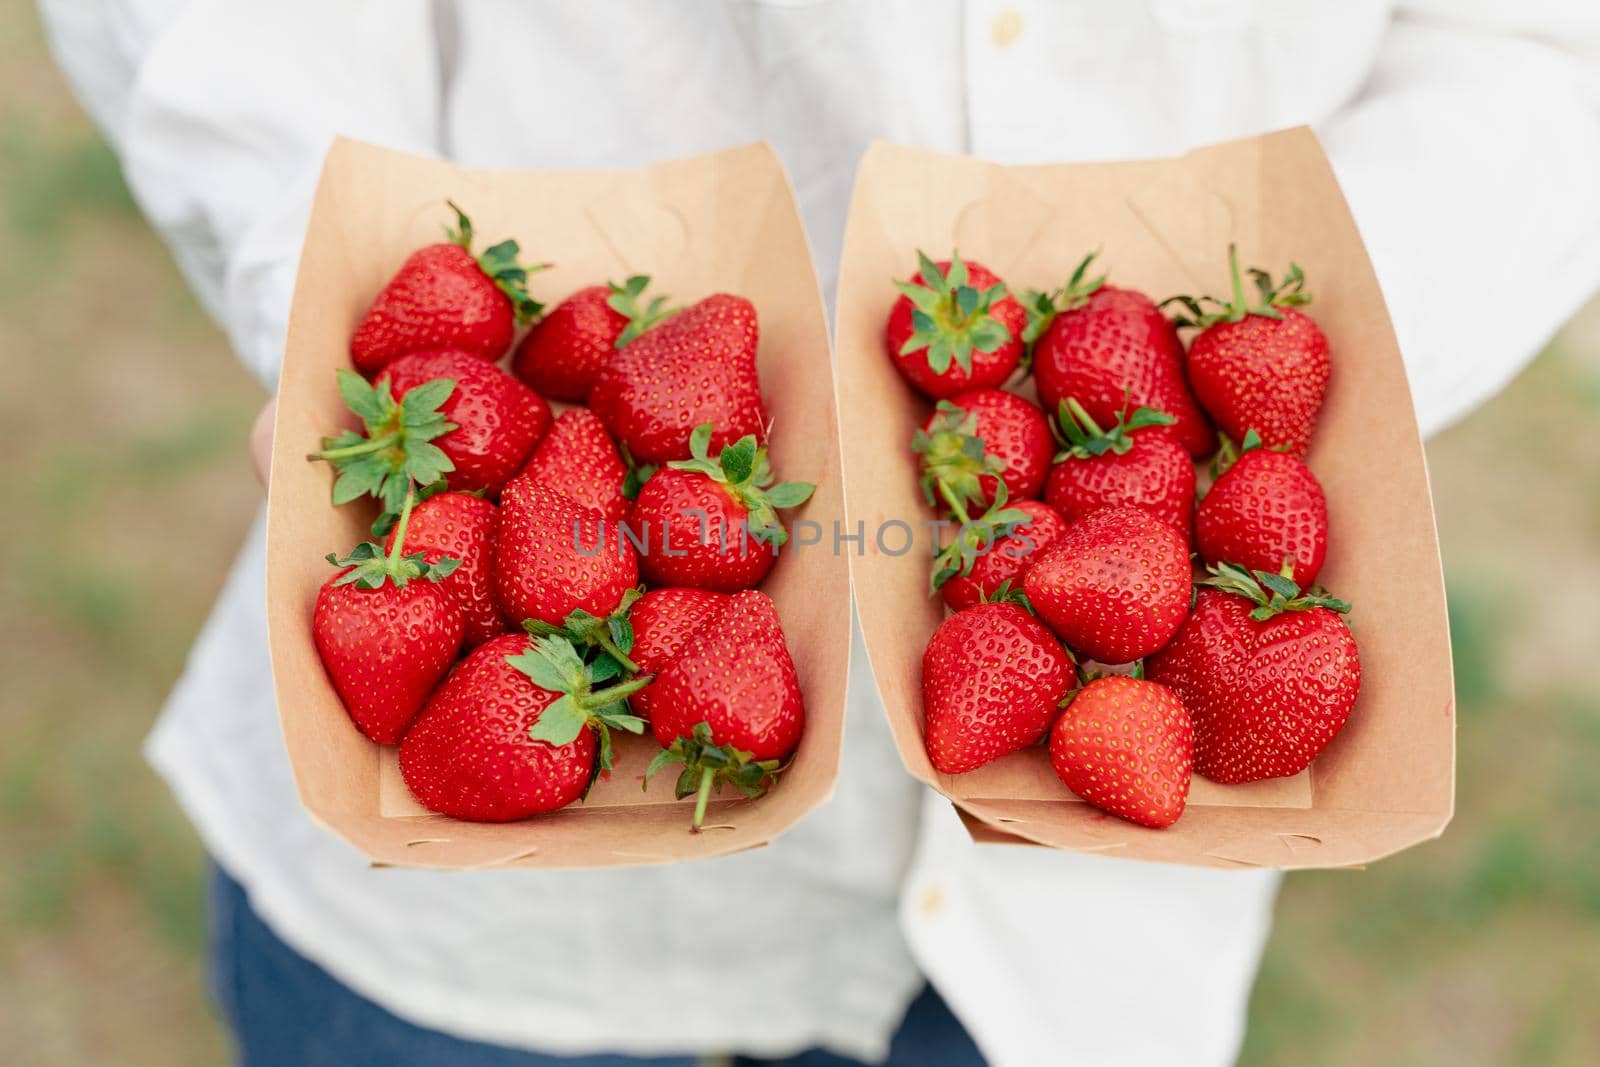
point(1007, 28)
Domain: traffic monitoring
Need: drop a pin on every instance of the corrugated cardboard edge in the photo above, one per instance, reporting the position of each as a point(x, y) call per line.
point(945, 194)
point(627, 828)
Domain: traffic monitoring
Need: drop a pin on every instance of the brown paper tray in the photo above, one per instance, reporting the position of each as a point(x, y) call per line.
point(725, 221)
point(1387, 781)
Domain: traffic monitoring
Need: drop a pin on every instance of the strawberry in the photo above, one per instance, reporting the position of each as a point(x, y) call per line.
point(1109, 349)
point(1264, 510)
point(1126, 746)
point(1269, 674)
point(397, 451)
point(698, 366)
point(954, 328)
point(563, 353)
point(497, 419)
point(387, 631)
point(577, 458)
point(662, 621)
point(443, 297)
point(521, 727)
point(993, 550)
point(714, 523)
point(553, 556)
point(993, 677)
point(460, 526)
point(1130, 464)
point(1115, 585)
point(1261, 366)
point(728, 706)
point(979, 438)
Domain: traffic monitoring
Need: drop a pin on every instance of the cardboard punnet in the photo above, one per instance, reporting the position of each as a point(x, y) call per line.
point(725, 221)
point(1164, 226)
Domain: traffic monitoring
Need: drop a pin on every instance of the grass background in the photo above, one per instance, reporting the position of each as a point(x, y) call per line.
point(126, 420)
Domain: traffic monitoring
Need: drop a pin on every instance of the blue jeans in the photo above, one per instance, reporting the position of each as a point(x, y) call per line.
point(286, 1011)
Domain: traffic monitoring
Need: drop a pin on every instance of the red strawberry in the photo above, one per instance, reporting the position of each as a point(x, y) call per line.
point(1268, 674)
point(553, 556)
point(954, 328)
point(1261, 366)
point(497, 419)
point(1111, 349)
point(662, 621)
point(386, 631)
point(1129, 464)
point(728, 706)
point(442, 297)
point(1115, 585)
point(698, 366)
point(563, 353)
point(460, 526)
point(578, 458)
point(1126, 746)
point(992, 682)
point(1265, 510)
point(518, 729)
point(713, 524)
point(999, 552)
point(979, 438)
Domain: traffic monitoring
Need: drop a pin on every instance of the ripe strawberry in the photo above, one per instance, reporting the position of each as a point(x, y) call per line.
point(386, 630)
point(728, 706)
point(1261, 366)
point(1115, 585)
point(994, 551)
point(1109, 349)
point(954, 328)
point(443, 297)
point(979, 438)
point(460, 526)
point(1129, 464)
point(578, 458)
point(662, 621)
point(1269, 674)
point(497, 419)
point(553, 556)
point(1126, 746)
point(563, 353)
point(518, 729)
point(993, 678)
point(1266, 509)
point(713, 524)
point(698, 366)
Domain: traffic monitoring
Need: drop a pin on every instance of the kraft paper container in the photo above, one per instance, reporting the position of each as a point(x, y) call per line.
point(725, 221)
point(1164, 226)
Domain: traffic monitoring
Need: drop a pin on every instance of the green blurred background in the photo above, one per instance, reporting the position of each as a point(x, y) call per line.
point(126, 420)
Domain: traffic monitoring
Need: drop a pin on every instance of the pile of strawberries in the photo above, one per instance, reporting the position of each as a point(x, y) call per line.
point(542, 579)
point(1074, 527)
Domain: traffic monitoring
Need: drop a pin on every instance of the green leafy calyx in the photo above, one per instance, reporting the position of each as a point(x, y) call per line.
point(954, 460)
point(624, 300)
point(606, 641)
point(951, 318)
point(707, 766)
point(1290, 292)
point(395, 451)
point(1271, 593)
point(369, 566)
point(499, 262)
point(1082, 438)
point(974, 538)
point(1043, 307)
point(553, 664)
point(742, 469)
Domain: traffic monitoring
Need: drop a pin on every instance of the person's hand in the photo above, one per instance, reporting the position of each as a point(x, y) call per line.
point(261, 439)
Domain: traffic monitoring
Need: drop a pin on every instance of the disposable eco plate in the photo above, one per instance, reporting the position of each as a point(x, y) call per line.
point(1164, 226)
point(720, 222)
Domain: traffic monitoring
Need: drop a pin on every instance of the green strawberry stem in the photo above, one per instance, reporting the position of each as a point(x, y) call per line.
point(958, 508)
point(743, 470)
point(1083, 438)
point(395, 550)
point(1272, 594)
point(370, 567)
point(702, 796)
point(975, 536)
point(603, 639)
point(376, 444)
point(612, 636)
point(1290, 292)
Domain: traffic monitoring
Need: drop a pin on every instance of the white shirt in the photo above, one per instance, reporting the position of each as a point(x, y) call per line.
point(1468, 142)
